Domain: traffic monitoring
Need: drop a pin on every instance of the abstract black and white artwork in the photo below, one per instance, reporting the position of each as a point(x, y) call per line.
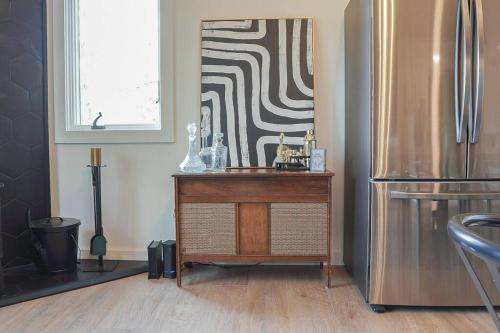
point(257, 81)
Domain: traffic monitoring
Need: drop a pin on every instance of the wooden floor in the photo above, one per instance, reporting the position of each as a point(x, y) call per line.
point(255, 299)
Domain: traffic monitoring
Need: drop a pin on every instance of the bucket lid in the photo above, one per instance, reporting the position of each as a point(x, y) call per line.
point(55, 223)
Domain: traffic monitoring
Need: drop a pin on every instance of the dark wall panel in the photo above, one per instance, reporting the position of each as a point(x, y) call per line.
point(24, 167)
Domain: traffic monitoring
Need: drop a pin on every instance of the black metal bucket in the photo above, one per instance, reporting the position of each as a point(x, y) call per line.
point(55, 241)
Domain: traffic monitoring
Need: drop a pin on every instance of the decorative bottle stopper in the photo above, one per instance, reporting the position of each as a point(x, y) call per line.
point(192, 163)
point(219, 153)
point(205, 131)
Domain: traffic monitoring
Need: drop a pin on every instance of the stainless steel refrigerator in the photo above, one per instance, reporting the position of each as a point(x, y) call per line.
point(422, 143)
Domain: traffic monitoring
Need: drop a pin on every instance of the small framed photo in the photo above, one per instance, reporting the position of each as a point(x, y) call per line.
point(318, 160)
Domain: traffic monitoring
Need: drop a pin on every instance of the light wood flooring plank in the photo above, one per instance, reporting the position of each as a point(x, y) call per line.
point(247, 299)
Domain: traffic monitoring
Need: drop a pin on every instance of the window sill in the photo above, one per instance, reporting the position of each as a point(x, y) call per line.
point(114, 136)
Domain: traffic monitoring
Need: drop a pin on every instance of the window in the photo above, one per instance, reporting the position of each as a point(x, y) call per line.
point(116, 62)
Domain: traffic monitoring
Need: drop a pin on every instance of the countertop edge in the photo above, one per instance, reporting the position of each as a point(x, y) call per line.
point(262, 173)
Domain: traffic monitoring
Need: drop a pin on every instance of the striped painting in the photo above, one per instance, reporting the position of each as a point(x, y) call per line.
point(257, 81)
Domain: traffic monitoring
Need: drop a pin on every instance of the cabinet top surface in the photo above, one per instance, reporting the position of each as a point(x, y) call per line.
point(254, 173)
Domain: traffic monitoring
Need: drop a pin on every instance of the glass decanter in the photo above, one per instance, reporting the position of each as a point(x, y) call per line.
point(192, 163)
point(219, 153)
point(206, 156)
point(205, 132)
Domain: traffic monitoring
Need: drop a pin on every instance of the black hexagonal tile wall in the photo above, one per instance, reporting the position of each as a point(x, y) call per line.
point(39, 158)
point(18, 38)
point(10, 248)
point(15, 160)
point(16, 250)
point(27, 130)
point(4, 9)
point(36, 101)
point(30, 187)
point(26, 71)
point(27, 11)
point(4, 66)
point(8, 193)
point(14, 100)
point(23, 145)
point(15, 213)
point(5, 129)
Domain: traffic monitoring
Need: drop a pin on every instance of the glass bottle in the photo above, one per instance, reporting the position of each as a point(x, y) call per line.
point(219, 153)
point(206, 156)
point(192, 163)
point(205, 132)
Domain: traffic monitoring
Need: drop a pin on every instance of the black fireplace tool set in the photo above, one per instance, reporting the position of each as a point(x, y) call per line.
point(98, 241)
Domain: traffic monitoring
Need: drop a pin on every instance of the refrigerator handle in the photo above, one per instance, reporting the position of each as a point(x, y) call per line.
point(462, 67)
point(458, 109)
point(444, 196)
point(478, 89)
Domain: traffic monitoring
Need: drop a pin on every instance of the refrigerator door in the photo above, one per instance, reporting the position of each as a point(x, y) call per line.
point(484, 147)
point(415, 126)
point(413, 260)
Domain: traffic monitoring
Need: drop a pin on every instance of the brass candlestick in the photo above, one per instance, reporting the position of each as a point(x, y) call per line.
point(95, 157)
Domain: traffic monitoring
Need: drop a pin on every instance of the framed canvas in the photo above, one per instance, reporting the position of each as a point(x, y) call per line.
point(257, 81)
point(318, 160)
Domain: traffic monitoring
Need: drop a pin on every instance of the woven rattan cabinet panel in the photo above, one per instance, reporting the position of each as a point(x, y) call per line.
point(208, 228)
point(299, 229)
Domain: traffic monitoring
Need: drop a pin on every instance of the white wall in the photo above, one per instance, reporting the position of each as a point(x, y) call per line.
point(137, 187)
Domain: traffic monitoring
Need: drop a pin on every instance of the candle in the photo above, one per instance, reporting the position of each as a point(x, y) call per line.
point(95, 156)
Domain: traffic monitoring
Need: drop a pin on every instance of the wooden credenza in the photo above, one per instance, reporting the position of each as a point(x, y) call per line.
point(253, 215)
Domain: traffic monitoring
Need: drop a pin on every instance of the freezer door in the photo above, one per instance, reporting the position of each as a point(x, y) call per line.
point(415, 128)
point(413, 260)
point(484, 149)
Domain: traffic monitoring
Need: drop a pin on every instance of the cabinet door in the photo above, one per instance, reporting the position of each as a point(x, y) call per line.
point(253, 229)
point(208, 228)
point(299, 229)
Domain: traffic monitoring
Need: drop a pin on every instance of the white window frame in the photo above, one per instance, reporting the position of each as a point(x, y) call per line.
point(63, 83)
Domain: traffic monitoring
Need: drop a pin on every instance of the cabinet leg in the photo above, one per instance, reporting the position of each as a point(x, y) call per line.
point(329, 274)
point(179, 274)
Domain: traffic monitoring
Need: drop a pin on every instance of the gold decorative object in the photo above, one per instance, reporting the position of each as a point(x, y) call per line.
point(309, 143)
point(283, 150)
point(296, 159)
point(95, 157)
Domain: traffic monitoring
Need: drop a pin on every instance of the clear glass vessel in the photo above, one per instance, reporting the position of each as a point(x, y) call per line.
point(192, 163)
point(206, 156)
point(219, 153)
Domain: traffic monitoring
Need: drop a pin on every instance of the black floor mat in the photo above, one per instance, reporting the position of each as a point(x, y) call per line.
point(25, 283)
